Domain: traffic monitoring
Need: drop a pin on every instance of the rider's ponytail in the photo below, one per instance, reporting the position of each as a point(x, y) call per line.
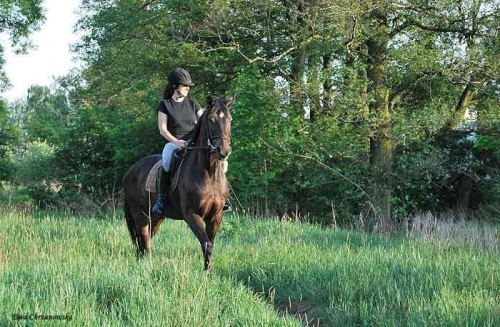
point(169, 90)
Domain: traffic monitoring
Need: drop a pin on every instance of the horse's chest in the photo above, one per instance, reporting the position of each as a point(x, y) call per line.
point(211, 188)
point(211, 196)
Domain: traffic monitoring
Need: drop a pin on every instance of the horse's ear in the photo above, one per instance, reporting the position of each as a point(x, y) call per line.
point(231, 100)
point(210, 101)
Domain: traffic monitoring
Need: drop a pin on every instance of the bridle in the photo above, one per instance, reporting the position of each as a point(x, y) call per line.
point(210, 139)
point(213, 138)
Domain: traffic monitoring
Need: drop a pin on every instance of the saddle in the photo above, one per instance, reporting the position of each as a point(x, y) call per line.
point(153, 178)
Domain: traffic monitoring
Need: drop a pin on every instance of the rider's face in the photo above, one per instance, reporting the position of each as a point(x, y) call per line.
point(183, 90)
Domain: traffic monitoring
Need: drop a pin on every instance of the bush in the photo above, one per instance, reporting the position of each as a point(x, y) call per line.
point(34, 170)
point(78, 202)
point(15, 196)
point(35, 164)
point(42, 195)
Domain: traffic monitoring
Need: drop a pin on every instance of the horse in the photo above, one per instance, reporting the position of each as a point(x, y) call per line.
point(199, 188)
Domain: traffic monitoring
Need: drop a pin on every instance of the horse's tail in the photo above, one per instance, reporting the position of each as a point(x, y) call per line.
point(130, 222)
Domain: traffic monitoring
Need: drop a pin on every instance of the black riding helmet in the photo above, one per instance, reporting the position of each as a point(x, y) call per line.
point(180, 76)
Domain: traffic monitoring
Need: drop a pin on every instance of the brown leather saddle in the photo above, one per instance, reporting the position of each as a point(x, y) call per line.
point(152, 181)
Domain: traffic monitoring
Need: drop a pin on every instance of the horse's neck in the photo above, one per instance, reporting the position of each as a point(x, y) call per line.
point(205, 165)
point(216, 170)
point(201, 135)
point(205, 159)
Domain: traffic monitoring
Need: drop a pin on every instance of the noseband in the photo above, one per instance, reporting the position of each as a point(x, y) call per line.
point(213, 138)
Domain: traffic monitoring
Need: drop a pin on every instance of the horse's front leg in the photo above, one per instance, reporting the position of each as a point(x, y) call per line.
point(212, 226)
point(195, 222)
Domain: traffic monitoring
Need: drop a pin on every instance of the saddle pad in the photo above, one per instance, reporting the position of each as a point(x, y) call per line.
point(152, 177)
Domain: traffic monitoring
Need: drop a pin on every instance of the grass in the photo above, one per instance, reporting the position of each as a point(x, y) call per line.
point(54, 264)
point(454, 228)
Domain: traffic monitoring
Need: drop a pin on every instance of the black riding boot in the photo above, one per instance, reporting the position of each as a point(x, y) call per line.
point(161, 201)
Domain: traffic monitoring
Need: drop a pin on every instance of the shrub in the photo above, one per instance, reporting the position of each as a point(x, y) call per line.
point(35, 164)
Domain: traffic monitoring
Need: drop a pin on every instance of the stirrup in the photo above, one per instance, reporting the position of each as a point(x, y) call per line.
point(227, 208)
point(160, 205)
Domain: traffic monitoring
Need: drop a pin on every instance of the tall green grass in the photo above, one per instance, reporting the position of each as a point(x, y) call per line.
point(54, 264)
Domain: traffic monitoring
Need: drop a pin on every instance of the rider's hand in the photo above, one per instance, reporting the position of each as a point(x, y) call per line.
point(180, 144)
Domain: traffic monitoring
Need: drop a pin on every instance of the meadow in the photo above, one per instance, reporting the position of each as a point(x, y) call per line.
point(266, 273)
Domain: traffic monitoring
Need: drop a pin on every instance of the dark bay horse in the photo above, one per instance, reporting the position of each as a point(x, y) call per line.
point(201, 190)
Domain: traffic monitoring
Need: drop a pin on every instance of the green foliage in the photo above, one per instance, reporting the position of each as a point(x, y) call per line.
point(45, 114)
point(9, 139)
point(13, 196)
point(35, 164)
point(22, 198)
point(34, 170)
point(84, 162)
point(310, 108)
point(417, 171)
point(18, 18)
point(486, 142)
point(132, 139)
point(256, 120)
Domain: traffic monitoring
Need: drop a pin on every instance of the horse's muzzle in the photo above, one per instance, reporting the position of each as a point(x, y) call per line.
point(223, 153)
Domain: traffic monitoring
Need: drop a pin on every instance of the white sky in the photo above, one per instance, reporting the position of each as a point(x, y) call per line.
point(50, 58)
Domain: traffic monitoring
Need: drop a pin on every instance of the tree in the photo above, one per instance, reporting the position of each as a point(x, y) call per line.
point(9, 139)
point(355, 85)
point(45, 114)
point(18, 18)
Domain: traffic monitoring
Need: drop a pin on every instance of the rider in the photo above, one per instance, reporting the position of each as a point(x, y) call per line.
point(177, 116)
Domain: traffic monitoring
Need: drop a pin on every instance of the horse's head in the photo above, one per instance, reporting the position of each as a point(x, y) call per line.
point(219, 125)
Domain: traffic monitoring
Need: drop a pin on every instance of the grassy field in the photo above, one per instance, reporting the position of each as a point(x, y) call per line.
point(84, 268)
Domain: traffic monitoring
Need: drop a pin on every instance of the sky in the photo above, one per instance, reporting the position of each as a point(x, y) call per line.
point(50, 58)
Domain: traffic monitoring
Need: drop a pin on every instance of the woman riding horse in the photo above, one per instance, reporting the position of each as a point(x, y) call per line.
point(200, 185)
point(177, 116)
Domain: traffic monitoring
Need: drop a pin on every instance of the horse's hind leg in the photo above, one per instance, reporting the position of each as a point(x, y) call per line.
point(141, 235)
point(144, 230)
point(156, 226)
point(196, 224)
point(132, 217)
point(129, 219)
point(143, 243)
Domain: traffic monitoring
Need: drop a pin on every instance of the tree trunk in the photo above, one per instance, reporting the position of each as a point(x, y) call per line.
point(295, 19)
point(465, 183)
point(327, 82)
point(380, 140)
point(313, 86)
point(464, 192)
point(463, 103)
